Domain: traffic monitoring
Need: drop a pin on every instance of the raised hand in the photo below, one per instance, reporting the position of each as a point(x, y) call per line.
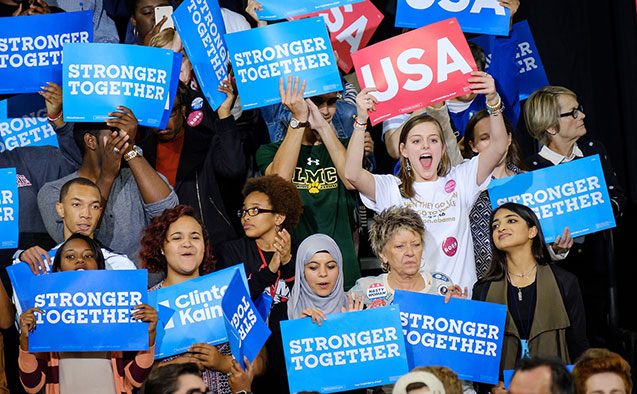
point(292, 97)
point(483, 83)
point(33, 257)
point(316, 314)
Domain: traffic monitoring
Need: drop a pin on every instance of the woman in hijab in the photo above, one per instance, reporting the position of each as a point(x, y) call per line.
point(317, 292)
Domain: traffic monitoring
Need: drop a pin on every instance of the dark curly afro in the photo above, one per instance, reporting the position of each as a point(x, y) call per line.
point(284, 197)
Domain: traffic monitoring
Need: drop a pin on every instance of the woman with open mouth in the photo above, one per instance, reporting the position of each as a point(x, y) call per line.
point(176, 244)
point(441, 194)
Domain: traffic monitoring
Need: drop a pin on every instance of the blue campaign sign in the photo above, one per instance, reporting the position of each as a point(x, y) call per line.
point(88, 311)
point(475, 16)
point(463, 335)
point(18, 132)
point(281, 9)
point(9, 208)
point(348, 351)
point(20, 275)
point(31, 48)
point(99, 77)
point(190, 312)
point(572, 195)
point(247, 332)
point(201, 28)
point(531, 76)
point(260, 57)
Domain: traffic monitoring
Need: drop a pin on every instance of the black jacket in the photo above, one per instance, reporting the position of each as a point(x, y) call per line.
point(569, 289)
point(203, 159)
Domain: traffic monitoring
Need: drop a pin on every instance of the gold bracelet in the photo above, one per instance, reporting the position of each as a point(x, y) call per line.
point(497, 105)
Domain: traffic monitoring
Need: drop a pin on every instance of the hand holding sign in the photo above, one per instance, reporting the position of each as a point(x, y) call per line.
point(208, 357)
point(38, 259)
point(228, 88)
point(114, 147)
point(52, 94)
point(252, 8)
point(292, 98)
point(124, 120)
point(238, 379)
point(38, 7)
point(148, 314)
point(28, 323)
point(365, 102)
point(563, 242)
point(483, 83)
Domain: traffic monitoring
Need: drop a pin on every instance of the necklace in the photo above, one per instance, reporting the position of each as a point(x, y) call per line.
point(519, 288)
point(524, 274)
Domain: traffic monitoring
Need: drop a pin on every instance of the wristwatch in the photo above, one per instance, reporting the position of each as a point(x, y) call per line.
point(243, 392)
point(136, 151)
point(297, 124)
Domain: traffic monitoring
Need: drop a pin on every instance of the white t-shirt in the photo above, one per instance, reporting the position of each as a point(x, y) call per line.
point(444, 206)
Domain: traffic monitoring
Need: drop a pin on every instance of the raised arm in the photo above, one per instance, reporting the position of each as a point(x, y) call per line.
point(361, 179)
point(287, 155)
point(483, 83)
point(226, 150)
point(330, 140)
point(151, 186)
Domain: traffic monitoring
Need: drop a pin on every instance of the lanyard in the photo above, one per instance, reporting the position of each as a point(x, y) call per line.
point(278, 273)
point(527, 330)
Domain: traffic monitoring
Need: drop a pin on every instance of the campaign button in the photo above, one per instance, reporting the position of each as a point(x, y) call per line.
point(450, 186)
point(450, 246)
point(197, 103)
point(376, 290)
point(195, 118)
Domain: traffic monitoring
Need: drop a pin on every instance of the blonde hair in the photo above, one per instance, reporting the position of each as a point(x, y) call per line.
point(163, 38)
point(406, 177)
point(390, 221)
point(542, 112)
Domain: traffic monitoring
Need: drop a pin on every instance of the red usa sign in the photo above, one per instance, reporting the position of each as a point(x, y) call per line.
point(416, 69)
point(351, 27)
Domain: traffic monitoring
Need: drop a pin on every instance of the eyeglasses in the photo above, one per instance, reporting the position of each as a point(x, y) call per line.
point(574, 113)
point(318, 100)
point(253, 211)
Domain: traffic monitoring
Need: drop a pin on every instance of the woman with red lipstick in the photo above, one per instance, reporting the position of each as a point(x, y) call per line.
point(442, 195)
point(545, 310)
point(83, 372)
point(177, 244)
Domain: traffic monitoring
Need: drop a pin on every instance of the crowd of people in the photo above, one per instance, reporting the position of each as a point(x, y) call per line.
point(281, 190)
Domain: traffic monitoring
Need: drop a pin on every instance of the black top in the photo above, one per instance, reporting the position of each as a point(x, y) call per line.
point(522, 311)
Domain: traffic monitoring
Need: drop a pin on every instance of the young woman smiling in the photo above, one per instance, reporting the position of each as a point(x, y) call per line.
point(545, 310)
point(441, 195)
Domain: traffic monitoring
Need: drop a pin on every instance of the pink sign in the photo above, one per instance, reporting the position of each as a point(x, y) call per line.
point(416, 69)
point(351, 26)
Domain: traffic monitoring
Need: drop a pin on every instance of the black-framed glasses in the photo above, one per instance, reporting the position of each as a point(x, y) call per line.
point(318, 100)
point(253, 211)
point(574, 113)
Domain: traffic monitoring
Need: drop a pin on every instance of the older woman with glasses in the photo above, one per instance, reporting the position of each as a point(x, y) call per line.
point(555, 118)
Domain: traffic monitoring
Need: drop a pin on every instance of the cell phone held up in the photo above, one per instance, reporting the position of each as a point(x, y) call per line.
point(166, 11)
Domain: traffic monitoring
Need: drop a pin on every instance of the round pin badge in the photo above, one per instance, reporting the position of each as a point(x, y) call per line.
point(376, 290)
point(450, 246)
point(195, 118)
point(197, 103)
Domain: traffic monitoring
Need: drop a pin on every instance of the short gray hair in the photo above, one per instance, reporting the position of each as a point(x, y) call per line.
point(389, 222)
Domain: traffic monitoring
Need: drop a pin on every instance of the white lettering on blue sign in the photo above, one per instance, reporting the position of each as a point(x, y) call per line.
point(243, 319)
point(111, 300)
point(135, 81)
point(38, 44)
point(210, 37)
point(582, 191)
point(442, 336)
point(350, 343)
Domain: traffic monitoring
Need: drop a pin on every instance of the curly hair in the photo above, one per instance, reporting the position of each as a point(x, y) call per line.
point(154, 236)
point(389, 222)
point(284, 197)
point(594, 361)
